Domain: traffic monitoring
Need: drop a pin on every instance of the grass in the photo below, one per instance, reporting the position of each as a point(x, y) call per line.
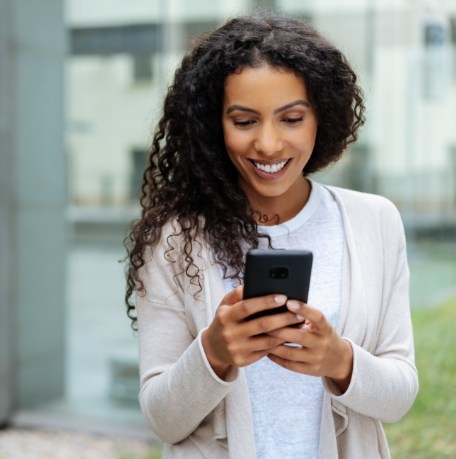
point(429, 429)
point(154, 453)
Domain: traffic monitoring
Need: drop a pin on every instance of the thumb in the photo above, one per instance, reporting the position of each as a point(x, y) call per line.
point(234, 296)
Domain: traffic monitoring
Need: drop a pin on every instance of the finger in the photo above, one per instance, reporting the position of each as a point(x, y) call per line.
point(292, 353)
point(298, 367)
point(261, 342)
point(251, 351)
point(264, 325)
point(251, 306)
point(301, 336)
point(317, 319)
point(234, 296)
point(243, 361)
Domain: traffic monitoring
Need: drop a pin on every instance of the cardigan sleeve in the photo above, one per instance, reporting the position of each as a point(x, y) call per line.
point(178, 388)
point(384, 384)
point(384, 381)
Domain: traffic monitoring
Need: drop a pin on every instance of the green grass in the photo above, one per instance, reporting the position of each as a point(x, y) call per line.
point(429, 430)
point(154, 453)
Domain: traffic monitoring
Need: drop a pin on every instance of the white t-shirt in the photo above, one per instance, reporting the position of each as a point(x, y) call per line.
point(286, 406)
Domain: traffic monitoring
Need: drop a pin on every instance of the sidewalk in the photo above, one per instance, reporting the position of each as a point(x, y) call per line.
point(55, 444)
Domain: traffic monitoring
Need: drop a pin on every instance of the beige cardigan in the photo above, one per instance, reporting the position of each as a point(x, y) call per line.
point(197, 415)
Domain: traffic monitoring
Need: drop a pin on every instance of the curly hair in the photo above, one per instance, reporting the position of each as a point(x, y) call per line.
point(189, 177)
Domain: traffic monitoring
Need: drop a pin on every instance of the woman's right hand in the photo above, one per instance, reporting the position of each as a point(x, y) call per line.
point(230, 340)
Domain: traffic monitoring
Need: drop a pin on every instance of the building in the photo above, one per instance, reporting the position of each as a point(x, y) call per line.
point(405, 54)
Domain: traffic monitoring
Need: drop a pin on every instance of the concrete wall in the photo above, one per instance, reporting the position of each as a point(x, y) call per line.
point(32, 203)
point(6, 226)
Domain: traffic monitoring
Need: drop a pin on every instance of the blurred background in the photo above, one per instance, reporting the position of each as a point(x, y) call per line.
point(81, 85)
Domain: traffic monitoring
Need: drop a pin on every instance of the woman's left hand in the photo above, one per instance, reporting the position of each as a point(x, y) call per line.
point(321, 351)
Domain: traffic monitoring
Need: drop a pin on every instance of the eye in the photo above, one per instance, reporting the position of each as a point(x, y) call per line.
point(293, 120)
point(243, 123)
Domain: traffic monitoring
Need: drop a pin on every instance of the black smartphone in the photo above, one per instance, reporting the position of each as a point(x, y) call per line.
point(280, 271)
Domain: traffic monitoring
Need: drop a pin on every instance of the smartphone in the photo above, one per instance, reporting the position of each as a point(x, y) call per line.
point(280, 271)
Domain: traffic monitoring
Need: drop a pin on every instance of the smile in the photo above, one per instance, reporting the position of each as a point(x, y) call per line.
point(270, 168)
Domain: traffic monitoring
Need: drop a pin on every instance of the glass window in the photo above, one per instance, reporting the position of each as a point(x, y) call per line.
point(138, 159)
point(142, 68)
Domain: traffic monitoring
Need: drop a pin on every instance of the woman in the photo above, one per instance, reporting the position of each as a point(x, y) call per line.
point(254, 108)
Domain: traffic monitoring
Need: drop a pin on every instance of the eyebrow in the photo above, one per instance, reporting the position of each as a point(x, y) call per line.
point(243, 108)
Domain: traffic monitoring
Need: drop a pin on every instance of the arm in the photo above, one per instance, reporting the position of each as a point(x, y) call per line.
point(176, 401)
point(178, 387)
point(384, 382)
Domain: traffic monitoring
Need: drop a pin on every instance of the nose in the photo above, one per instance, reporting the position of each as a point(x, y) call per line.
point(268, 140)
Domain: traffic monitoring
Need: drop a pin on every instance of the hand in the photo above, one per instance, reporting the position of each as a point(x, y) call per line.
point(322, 351)
point(230, 340)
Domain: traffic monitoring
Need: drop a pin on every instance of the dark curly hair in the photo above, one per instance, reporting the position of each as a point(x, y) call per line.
point(190, 178)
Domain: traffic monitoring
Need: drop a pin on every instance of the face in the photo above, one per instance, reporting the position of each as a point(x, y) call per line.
point(269, 129)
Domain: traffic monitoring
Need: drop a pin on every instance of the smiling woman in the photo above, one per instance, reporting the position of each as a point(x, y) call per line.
point(254, 108)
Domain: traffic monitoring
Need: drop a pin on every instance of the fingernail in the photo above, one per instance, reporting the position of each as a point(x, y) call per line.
point(280, 299)
point(292, 304)
point(299, 318)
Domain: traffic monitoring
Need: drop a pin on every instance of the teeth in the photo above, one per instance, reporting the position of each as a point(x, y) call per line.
point(271, 169)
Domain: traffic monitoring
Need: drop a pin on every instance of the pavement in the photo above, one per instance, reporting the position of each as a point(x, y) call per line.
point(60, 444)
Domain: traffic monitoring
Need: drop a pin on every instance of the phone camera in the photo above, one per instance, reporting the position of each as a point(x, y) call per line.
point(280, 272)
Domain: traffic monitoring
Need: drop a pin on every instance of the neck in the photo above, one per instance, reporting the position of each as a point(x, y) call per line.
point(280, 209)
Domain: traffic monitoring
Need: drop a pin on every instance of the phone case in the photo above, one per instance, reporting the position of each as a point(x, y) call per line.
point(277, 271)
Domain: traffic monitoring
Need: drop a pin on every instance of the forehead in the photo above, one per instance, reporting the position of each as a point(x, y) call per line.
point(265, 86)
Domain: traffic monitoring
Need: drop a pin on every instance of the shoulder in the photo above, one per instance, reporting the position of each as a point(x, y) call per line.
point(175, 233)
point(364, 205)
point(369, 217)
point(374, 228)
point(357, 197)
point(181, 243)
point(178, 254)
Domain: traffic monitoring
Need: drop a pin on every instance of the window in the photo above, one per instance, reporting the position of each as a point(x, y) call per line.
point(142, 68)
point(452, 22)
point(138, 161)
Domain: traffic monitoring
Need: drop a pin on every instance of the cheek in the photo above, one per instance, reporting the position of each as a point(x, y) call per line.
point(235, 144)
point(307, 140)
